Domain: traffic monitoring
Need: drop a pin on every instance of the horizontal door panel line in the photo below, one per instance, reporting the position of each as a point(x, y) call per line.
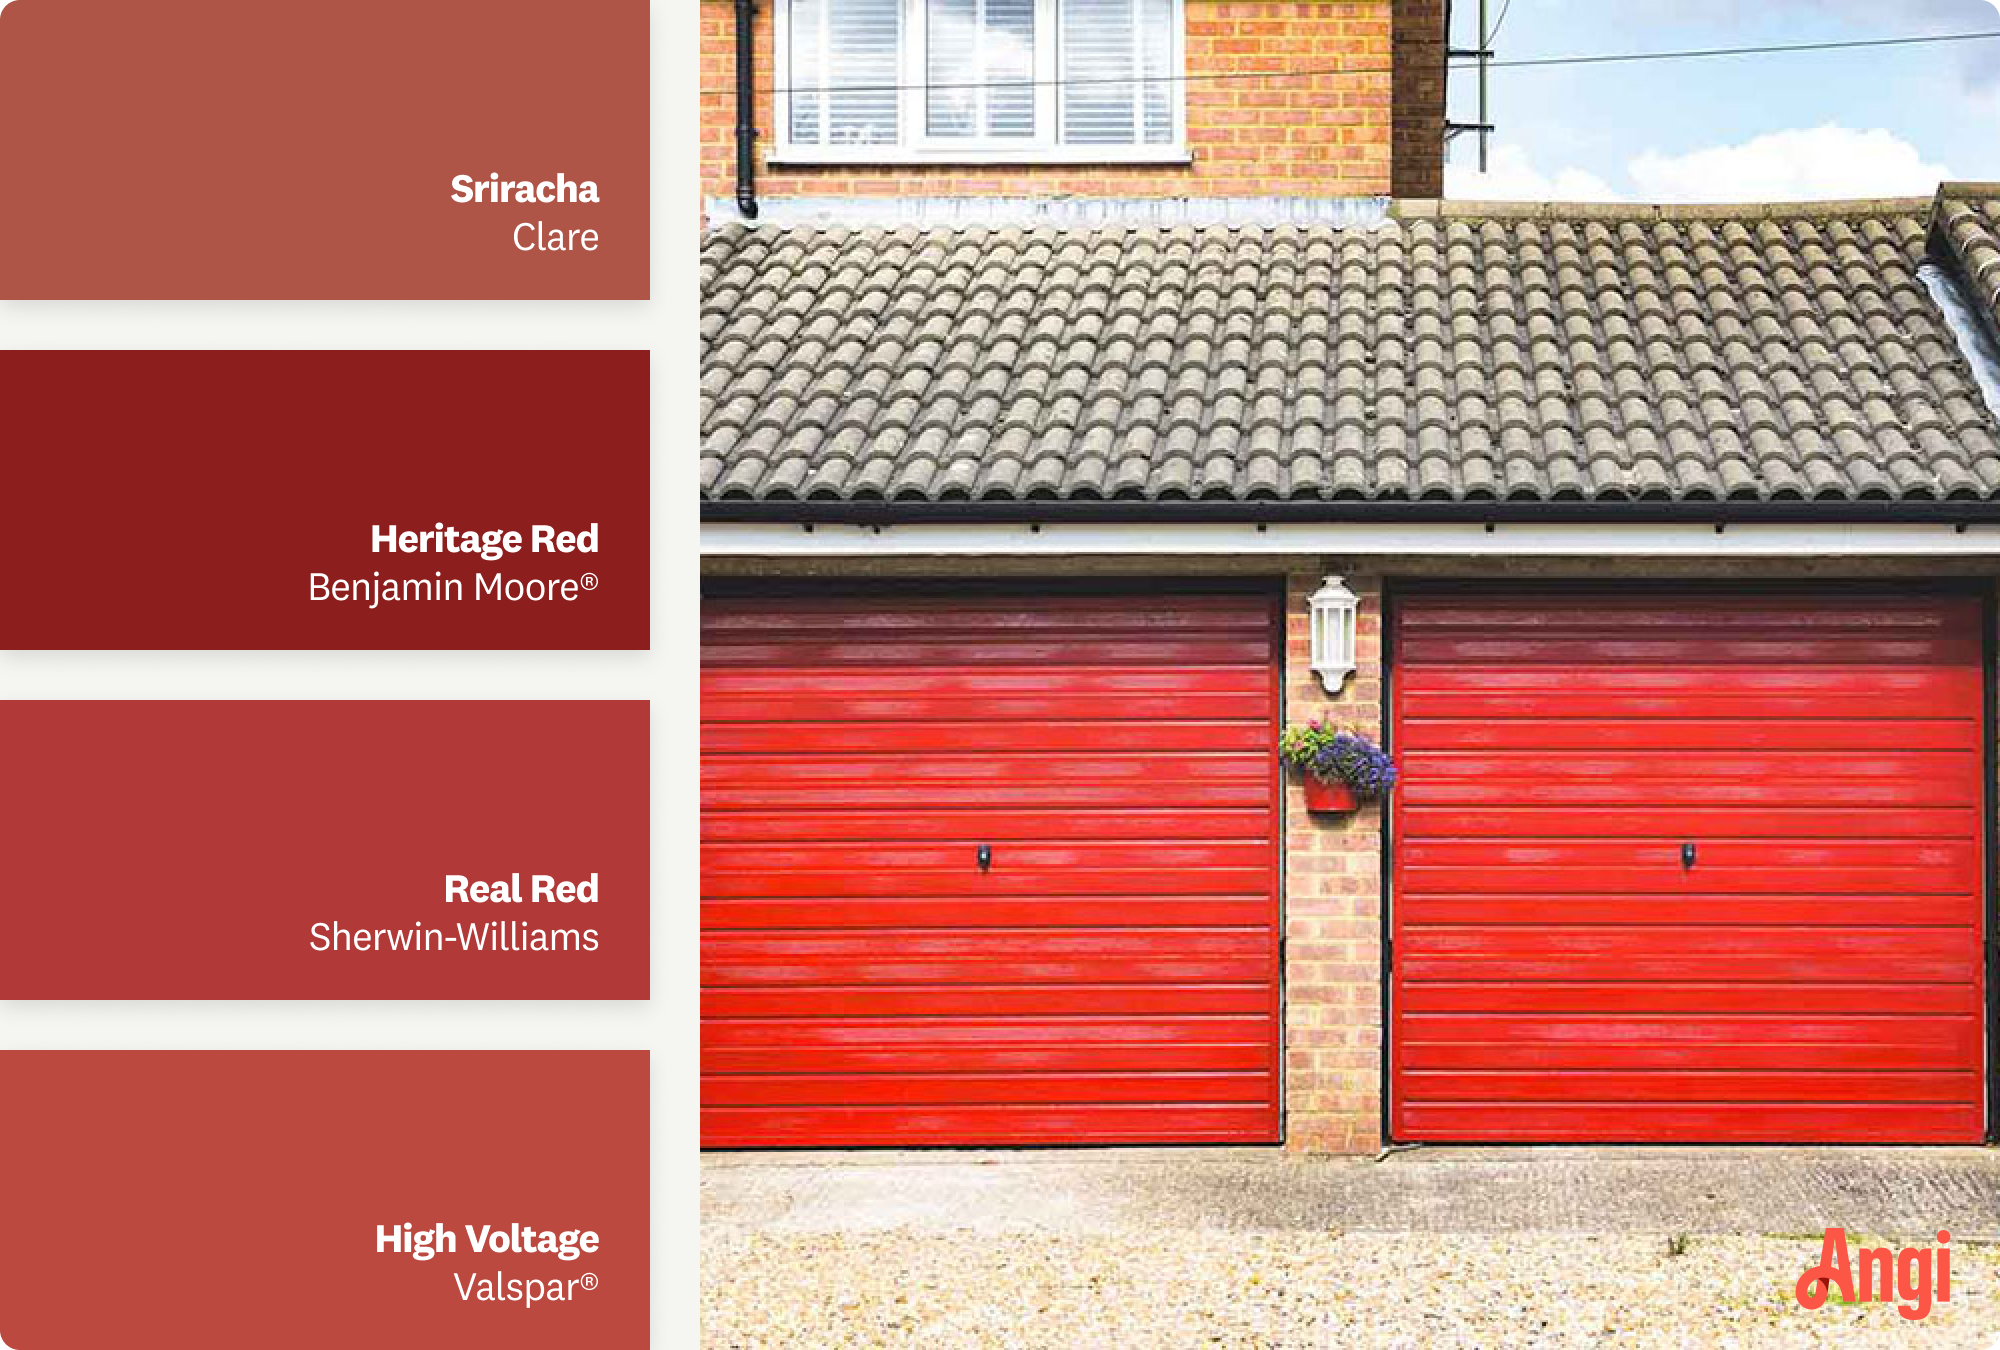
point(1665, 930)
point(892, 972)
point(1859, 986)
point(1574, 754)
point(1705, 831)
point(1435, 721)
point(1466, 969)
point(809, 854)
point(1547, 873)
point(897, 886)
point(931, 752)
point(1153, 987)
point(1248, 1101)
point(975, 836)
point(1967, 984)
point(1126, 723)
point(881, 711)
point(1608, 983)
point(1098, 925)
point(1217, 1108)
point(1253, 1025)
point(1121, 900)
point(1023, 656)
point(1697, 1019)
point(1692, 1048)
point(1057, 676)
point(1716, 897)
point(1844, 1103)
point(955, 1076)
point(1261, 754)
point(1684, 1072)
point(954, 932)
point(1408, 925)
point(1003, 1105)
point(1111, 912)
point(1660, 839)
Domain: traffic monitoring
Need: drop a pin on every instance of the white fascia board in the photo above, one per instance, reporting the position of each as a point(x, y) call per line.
point(728, 539)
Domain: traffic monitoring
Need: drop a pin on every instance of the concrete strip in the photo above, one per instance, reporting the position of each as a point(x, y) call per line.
point(1886, 1192)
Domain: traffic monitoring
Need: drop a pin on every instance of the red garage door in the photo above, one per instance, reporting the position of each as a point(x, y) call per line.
point(1108, 972)
point(1688, 868)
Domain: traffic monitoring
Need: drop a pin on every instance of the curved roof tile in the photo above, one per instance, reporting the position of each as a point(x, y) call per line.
point(1459, 352)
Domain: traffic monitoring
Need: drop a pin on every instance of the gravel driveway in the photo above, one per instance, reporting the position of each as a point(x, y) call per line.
point(1175, 1289)
point(1230, 1248)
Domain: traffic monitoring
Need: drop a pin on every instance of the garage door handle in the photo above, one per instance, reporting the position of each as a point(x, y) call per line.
point(985, 856)
point(1687, 856)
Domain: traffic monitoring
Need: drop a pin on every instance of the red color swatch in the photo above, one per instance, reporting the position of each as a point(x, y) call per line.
point(199, 850)
point(231, 1200)
point(204, 500)
point(239, 149)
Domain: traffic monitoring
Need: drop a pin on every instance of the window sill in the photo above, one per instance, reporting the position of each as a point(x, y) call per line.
point(901, 157)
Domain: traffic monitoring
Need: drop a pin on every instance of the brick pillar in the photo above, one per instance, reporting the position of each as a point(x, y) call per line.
point(1333, 907)
point(1417, 164)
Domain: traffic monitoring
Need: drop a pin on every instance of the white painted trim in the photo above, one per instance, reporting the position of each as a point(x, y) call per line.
point(777, 213)
point(721, 539)
point(944, 152)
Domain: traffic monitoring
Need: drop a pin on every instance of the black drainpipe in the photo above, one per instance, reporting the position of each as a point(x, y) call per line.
point(746, 110)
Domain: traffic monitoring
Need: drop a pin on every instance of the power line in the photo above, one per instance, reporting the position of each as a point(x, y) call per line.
point(1497, 23)
point(1693, 53)
point(1526, 63)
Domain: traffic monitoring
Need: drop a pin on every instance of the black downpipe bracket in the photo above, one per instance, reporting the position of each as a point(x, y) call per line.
point(746, 109)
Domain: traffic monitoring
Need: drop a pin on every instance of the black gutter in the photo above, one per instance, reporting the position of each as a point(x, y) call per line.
point(1072, 511)
point(746, 109)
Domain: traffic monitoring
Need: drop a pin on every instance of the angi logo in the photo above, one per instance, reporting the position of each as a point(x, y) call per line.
point(1885, 1275)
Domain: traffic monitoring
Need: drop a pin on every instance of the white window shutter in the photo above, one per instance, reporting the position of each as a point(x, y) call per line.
point(980, 69)
point(846, 66)
point(1161, 95)
point(806, 37)
point(1117, 56)
point(951, 69)
point(1010, 68)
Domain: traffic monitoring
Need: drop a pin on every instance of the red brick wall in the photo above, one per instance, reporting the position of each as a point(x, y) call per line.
point(1333, 907)
point(1418, 156)
point(1311, 136)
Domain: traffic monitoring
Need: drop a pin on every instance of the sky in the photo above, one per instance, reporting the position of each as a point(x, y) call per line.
point(1871, 123)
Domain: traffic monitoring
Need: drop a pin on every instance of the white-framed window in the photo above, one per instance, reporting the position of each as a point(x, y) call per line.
point(999, 81)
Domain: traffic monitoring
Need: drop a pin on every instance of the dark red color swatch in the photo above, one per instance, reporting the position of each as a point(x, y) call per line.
point(191, 499)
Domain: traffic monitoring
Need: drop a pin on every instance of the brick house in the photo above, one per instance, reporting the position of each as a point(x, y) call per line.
point(1673, 539)
point(1369, 122)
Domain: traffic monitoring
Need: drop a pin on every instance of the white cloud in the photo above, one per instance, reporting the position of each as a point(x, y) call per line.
point(1796, 165)
point(1514, 178)
point(1799, 164)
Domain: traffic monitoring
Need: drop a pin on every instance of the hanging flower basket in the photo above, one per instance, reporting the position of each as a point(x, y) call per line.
point(1329, 799)
point(1341, 769)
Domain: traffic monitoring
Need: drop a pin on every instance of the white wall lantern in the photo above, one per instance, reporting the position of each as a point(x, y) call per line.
point(1334, 608)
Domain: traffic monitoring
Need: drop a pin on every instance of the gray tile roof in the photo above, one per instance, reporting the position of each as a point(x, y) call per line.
point(1460, 353)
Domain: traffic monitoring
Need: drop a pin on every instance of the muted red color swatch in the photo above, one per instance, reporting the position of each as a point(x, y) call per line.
point(230, 1200)
point(238, 149)
point(186, 849)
